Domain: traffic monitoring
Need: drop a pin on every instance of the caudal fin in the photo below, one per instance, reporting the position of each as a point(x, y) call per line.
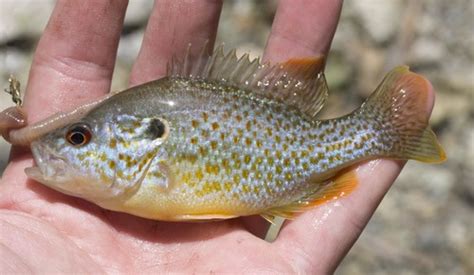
point(400, 107)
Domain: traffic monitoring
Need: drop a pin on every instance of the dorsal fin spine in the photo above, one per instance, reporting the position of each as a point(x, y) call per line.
point(187, 60)
point(298, 82)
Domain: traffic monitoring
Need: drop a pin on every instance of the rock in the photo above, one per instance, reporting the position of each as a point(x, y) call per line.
point(23, 18)
point(449, 105)
point(379, 18)
point(4, 152)
point(446, 29)
point(244, 22)
point(14, 62)
point(427, 50)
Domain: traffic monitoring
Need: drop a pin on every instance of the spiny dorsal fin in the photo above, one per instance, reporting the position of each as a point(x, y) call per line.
point(341, 185)
point(298, 82)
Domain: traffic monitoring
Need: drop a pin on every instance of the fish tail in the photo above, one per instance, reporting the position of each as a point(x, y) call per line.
point(400, 109)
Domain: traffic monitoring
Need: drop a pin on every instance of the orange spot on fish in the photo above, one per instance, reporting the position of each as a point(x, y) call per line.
point(113, 143)
point(213, 144)
point(205, 116)
point(215, 126)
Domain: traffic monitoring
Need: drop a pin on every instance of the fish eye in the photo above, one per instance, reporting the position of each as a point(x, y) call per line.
point(79, 135)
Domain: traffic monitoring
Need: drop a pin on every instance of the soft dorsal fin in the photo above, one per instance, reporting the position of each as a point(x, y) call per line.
point(298, 82)
point(339, 186)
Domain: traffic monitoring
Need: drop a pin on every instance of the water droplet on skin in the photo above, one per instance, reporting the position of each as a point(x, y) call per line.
point(326, 209)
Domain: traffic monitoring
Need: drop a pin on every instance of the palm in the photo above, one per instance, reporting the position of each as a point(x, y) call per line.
point(95, 239)
point(39, 225)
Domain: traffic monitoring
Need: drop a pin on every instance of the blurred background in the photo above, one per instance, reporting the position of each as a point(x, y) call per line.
point(425, 225)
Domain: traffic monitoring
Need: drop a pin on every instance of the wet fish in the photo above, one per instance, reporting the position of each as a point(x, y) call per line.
point(223, 136)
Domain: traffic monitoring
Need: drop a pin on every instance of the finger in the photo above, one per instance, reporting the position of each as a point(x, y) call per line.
point(11, 118)
point(75, 57)
point(320, 238)
point(302, 28)
point(172, 26)
point(336, 226)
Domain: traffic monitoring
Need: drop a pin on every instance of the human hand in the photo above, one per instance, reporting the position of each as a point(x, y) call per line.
point(45, 231)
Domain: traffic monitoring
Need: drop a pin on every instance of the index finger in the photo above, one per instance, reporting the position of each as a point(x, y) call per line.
point(75, 57)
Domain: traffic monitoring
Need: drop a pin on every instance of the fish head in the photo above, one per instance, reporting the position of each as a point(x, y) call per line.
point(98, 159)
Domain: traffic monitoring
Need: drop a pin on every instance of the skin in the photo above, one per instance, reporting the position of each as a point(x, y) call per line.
point(42, 230)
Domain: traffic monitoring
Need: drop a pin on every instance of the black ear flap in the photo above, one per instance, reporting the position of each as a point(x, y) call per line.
point(156, 128)
point(134, 128)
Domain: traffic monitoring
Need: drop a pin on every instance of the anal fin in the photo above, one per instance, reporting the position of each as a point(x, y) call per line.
point(339, 186)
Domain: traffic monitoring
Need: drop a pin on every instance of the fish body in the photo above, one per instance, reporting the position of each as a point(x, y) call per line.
point(226, 137)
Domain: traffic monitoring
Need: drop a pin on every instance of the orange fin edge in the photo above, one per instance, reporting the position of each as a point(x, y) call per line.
point(304, 68)
point(339, 186)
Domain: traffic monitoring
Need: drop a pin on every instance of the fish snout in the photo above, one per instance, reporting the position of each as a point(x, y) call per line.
point(50, 163)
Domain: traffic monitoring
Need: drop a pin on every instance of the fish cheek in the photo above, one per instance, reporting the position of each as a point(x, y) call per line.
point(85, 160)
point(132, 145)
point(133, 162)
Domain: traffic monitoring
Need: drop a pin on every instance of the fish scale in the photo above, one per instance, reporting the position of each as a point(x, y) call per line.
point(251, 153)
point(232, 138)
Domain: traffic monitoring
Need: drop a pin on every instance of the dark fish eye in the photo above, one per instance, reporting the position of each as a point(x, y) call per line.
point(156, 129)
point(79, 135)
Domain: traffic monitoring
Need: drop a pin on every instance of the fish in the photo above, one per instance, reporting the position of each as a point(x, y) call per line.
point(223, 136)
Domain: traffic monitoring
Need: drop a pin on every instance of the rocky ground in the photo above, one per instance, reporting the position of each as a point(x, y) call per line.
point(425, 224)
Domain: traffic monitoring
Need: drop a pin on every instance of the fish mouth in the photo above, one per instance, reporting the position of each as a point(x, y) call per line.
point(56, 172)
point(49, 165)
